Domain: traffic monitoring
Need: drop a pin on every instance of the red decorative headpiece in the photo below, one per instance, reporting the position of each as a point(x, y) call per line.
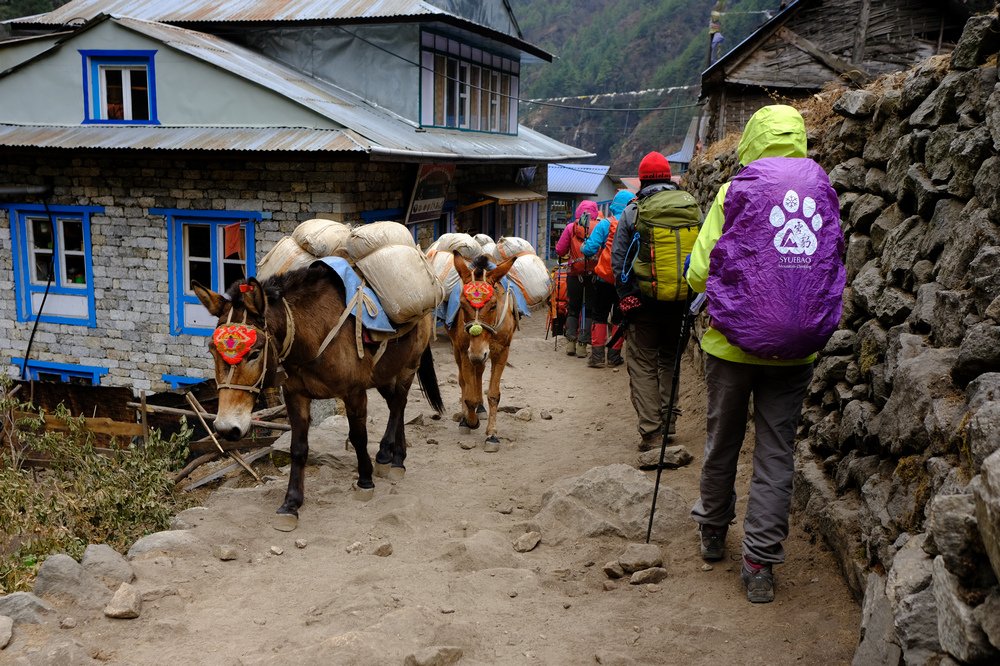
point(234, 342)
point(478, 293)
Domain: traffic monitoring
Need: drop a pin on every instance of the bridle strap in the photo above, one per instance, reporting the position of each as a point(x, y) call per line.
point(500, 319)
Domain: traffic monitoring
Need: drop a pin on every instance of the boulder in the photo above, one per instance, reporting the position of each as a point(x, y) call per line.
point(915, 621)
point(911, 571)
point(878, 644)
point(865, 210)
point(6, 630)
point(959, 633)
point(968, 151)
point(169, 542)
point(856, 103)
point(951, 523)
point(919, 381)
point(977, 231)
point(25, 608)
point(979, 39)
point(978, 353)
point(60, 576)
point(104, 562)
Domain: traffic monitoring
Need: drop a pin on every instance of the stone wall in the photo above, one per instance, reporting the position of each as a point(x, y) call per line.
point(898, 459)
point(130, 246)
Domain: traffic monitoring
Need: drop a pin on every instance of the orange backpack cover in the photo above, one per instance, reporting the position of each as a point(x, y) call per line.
point(559, 297)
point(603, 268)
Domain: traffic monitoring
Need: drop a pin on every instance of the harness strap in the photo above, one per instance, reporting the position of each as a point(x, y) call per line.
point(358, 304)
point(286, 346)
point(381, 350)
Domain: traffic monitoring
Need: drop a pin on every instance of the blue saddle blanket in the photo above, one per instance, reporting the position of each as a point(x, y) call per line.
point(351, 280)
point(448, 309)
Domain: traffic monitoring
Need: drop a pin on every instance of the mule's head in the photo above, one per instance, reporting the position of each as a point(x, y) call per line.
point(245, 358)
point(481, 302)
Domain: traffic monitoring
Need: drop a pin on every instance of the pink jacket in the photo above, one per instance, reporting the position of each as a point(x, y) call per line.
point(585, 206)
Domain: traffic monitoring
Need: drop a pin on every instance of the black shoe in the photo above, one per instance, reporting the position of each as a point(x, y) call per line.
point(713, 543)
point(651, 441)
point(759, 581)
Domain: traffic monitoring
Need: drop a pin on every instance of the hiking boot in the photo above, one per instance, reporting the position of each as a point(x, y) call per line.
point(651, 441)
point(596, 359)
point(759, 581)
point(570, 347)
point(615, 358)
point(713, 543)
point(581, 350)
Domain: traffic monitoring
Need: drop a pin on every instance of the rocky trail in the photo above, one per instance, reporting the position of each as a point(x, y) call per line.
point(430, 570)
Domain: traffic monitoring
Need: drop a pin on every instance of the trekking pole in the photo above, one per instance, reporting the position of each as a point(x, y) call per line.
point(691, 306)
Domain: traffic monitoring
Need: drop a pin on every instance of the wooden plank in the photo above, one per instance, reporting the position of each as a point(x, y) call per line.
point(157, 409)
point(836, 63)
point(100, 425)
point(858, 54)
point(219, 473)
point(206, 444)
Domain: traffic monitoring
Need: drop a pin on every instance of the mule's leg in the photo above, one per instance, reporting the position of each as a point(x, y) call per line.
point(297, 406)
point(396, 398)
point(385, 448)
point(499, 362)
point(470, 379)
point(356, 405)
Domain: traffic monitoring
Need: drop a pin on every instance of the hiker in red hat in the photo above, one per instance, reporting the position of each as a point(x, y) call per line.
point(655, 234)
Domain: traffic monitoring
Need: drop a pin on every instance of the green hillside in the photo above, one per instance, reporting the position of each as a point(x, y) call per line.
point(605, 46)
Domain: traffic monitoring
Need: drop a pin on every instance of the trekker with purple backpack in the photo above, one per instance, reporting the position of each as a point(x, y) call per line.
point(769, 258)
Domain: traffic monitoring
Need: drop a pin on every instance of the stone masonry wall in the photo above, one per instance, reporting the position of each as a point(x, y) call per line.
point(898, 459)
point(132, 337)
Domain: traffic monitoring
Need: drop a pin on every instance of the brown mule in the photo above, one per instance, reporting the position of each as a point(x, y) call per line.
point(295, 320)
point(483, 329)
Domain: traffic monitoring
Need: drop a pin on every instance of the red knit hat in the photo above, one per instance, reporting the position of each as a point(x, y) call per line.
point(654, 166)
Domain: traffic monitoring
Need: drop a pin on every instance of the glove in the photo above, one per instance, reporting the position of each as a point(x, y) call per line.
point(629, 304)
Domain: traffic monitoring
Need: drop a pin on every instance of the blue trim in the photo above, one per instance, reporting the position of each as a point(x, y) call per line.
point(178, 381)
point(23, 288)
point(64, 370)
point(177, 218)
point(92, 60)
point(391, 214)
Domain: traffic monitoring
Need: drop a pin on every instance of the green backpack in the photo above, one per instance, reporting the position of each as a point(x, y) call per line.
point(667, 224)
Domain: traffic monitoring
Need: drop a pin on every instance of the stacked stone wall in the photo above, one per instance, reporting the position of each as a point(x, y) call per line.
point(898, 459)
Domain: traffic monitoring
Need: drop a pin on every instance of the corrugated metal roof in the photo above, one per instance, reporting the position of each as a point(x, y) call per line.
point(576, 178)
point(149, 137)
point(234, 10)
point(509, 195)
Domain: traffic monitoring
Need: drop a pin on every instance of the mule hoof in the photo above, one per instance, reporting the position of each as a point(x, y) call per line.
point(396, 474)
point(362, 494)
point(381, 470)
point(492, 445)
point(480, 409)
point(285, 522)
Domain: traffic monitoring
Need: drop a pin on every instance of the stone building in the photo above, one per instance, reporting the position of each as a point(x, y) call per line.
point(149, 144)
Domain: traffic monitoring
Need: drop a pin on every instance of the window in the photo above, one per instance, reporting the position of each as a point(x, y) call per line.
point(43, 371)
point(119, 87)
point(51, 249)
point(180, 381)
point(211, 247)
point(467, 88)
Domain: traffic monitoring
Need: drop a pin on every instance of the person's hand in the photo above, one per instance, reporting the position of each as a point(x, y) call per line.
point(629, 304)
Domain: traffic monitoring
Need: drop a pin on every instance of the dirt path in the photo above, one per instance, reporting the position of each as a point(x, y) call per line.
point(443, 585)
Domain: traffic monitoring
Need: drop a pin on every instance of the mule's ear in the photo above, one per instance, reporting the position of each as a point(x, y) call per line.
point(212, 301)
point(253, 297)
point(461, 266)
point(497, 273)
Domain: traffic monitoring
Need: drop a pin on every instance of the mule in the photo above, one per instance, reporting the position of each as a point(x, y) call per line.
point(297, 320)
point(483, 329)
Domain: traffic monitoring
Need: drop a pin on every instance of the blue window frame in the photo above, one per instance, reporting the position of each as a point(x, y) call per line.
point(197, 241)
point(180, 381)
point(51, 249)
point(119, 87)
point(88, 375)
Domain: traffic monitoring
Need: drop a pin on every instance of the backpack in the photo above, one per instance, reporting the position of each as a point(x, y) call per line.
point(776, 278)
point(603, 268)
point(558, 299)
point(666, 225)
point(578, 264)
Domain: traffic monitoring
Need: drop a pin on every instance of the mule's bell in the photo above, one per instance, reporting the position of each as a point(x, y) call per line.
point(475, 330)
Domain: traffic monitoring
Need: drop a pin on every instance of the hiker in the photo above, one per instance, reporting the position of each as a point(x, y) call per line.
point(603, 295)
point(655, 234)
point(581, 273)
point(774, 281)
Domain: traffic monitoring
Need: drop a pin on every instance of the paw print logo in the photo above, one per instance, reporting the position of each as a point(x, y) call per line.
point(796, 235)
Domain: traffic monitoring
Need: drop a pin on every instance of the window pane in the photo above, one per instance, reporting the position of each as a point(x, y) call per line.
point(113, 94)
point(504, 102)
point(43, 267)
point(463, 95)
point(140, 94)
point(200, 271)
point(199, 241)
point(474, 93)
point(43, 376)
point(41, 232)
point(72, 235)
point(452, 99)
point(76, 270)
point(231, 272)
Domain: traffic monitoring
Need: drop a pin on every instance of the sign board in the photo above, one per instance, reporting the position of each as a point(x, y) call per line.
point(429, 192)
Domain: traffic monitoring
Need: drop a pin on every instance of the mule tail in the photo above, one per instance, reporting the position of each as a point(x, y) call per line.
point(429, 382)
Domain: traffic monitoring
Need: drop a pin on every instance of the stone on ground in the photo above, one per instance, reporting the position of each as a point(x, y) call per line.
point(527, 541)
point(673, 457)
point(126, 604)
point(107, 564)
point(650, 575)
point(224, 552)
point(485, 549)
point(6, 630)
point(437, 655)
point(25, 607)
point(61, 576)
point(639, 556)
point(170, 542)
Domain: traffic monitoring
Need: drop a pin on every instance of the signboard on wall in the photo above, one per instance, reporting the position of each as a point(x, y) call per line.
point(429, 193)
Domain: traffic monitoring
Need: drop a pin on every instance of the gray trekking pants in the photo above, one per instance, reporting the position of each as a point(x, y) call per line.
point(652, 337)
point(778, 392)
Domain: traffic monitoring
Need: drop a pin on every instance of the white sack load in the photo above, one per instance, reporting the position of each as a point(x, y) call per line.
point(528, 272)
point(483, 239)
point(286, 255)
point(443, 261)
point(321, 238)
point(367, 238)
point(404, 281)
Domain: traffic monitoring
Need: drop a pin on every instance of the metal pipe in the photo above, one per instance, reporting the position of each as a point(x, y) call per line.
point(7, 191)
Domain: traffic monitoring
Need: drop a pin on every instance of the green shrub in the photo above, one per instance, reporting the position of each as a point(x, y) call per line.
point(81, 496)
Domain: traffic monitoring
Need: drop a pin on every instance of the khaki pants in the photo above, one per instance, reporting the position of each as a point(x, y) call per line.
point(653, 332)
